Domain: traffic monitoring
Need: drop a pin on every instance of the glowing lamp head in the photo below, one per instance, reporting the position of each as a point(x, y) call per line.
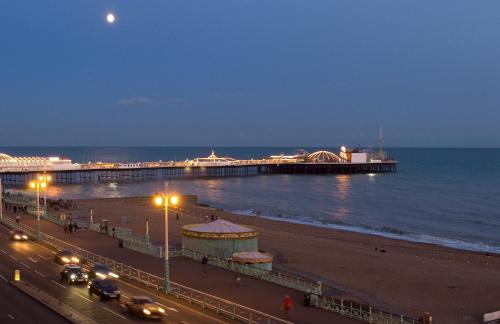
point(48, 178)
point(32, 185)
point(158, 200)
point(43, 184)
point(174, 200)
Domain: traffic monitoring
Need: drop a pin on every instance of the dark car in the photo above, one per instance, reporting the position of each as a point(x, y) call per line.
point(18, 235)
point(104, 288)
point(65, 257)
point(145, 307)
point(73, 273)
point(100, 270)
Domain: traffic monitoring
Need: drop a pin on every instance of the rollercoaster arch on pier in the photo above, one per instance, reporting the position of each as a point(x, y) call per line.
point(324, 157)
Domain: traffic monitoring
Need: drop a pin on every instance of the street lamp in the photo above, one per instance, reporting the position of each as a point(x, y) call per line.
point(164, 199)
point(38, 184)
point(45, 178)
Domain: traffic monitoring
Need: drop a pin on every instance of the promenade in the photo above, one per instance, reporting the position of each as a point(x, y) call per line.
point(254, 293)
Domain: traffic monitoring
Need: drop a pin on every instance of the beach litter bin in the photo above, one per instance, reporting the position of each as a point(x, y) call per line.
point(307, 299)
point(103, 226)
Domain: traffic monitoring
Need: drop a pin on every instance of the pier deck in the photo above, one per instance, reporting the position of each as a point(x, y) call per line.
point(97, 173)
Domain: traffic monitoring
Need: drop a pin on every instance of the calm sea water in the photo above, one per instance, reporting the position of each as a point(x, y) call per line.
point(444, 196)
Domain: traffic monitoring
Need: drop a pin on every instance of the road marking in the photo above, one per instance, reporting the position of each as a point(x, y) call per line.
point(3, 251)
point(184, 322)
point(169, 308)
point(42, 256)
point(13, 258)
point(109, 310)
point(32, 260)
point(41, 274)
point(3, 278)
point(124, 296)
point(58, 284)
point(10, 316)
point(24, 264)
point(83, 297)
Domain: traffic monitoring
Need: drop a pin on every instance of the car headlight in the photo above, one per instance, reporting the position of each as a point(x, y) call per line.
point(161, 310)
point(75, 259)
point(25, 237)
point(73, 276)
point(100, 275)
point(114, 275)
point(17, 237)
point(65, 259)
point(86, 276)
point(146, 311)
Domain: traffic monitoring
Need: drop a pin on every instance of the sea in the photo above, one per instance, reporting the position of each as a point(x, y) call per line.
point(445, 196)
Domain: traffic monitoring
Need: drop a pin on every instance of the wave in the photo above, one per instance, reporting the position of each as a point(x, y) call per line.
point(387, 232)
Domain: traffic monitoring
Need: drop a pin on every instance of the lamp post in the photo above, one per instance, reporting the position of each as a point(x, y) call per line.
point(46, 179)
point(164, 199)
point(38, 184)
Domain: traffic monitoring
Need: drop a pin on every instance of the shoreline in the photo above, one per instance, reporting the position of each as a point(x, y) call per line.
point(457, 244)
point(455, 286)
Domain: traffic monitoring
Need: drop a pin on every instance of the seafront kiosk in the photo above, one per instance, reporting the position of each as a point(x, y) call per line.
point(219, 238)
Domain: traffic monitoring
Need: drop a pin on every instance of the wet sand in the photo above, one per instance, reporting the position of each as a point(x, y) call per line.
point(455, 286)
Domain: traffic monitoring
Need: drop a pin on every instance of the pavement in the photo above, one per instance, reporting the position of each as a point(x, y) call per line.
point(254, 293)
point(38, 269)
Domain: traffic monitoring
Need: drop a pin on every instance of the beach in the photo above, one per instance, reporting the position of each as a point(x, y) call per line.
point(455, 286)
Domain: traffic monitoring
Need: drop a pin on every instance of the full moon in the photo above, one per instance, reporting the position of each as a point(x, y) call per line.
point(110, 18)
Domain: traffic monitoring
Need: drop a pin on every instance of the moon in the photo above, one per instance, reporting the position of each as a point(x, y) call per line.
point(110, 18)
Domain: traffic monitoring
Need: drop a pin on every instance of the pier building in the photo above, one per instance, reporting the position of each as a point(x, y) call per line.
point(19, 171)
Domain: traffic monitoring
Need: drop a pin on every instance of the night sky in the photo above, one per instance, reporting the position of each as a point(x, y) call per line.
point(250, 73)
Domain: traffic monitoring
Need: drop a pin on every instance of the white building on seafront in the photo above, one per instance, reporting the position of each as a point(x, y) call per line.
point(35, 163)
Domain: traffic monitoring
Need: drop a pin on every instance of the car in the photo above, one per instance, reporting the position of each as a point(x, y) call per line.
point(104, 288)
point(145, 307)
point(99, 270)
point(18, 235)
point(65, 257)
point(73, 273)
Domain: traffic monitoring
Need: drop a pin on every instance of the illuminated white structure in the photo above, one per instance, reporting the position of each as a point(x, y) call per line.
point(212, 159)
point(324, 157)
point(34, 163)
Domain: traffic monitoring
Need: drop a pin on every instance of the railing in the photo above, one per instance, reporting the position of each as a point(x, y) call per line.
point(285, 280)
point(361, 312)
point(193, 296)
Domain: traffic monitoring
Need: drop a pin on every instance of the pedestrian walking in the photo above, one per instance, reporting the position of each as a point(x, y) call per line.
point(70, 228)
point(177, 216)
point(18, 219)
point(212, 218)
point(204, 262)
point(237, 280)
point(65, 227)
point(206, 218)
point(287, 305)
point(113, 230)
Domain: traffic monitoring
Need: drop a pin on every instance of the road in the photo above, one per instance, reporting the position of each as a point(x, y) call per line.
point(17, 307)
point(37, 267)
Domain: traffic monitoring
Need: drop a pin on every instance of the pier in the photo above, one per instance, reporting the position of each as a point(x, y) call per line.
point(321, 162)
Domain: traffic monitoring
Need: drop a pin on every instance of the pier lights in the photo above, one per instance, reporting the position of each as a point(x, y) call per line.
point(165, 199)
point(39, 184)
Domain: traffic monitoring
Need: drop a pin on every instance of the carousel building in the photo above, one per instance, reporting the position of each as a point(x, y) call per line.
point(219, 238)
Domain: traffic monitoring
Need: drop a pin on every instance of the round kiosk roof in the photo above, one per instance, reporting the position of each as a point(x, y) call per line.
point(219, 229)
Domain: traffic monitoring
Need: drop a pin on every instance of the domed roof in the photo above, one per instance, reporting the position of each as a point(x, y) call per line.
point(324, 156)
point(252, 257)
point(6, 158)
point(219, 229)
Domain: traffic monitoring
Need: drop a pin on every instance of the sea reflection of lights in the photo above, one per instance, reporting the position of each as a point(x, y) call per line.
point(343, 185)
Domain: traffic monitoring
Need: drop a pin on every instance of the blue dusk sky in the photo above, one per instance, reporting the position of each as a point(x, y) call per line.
point(250, 73)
